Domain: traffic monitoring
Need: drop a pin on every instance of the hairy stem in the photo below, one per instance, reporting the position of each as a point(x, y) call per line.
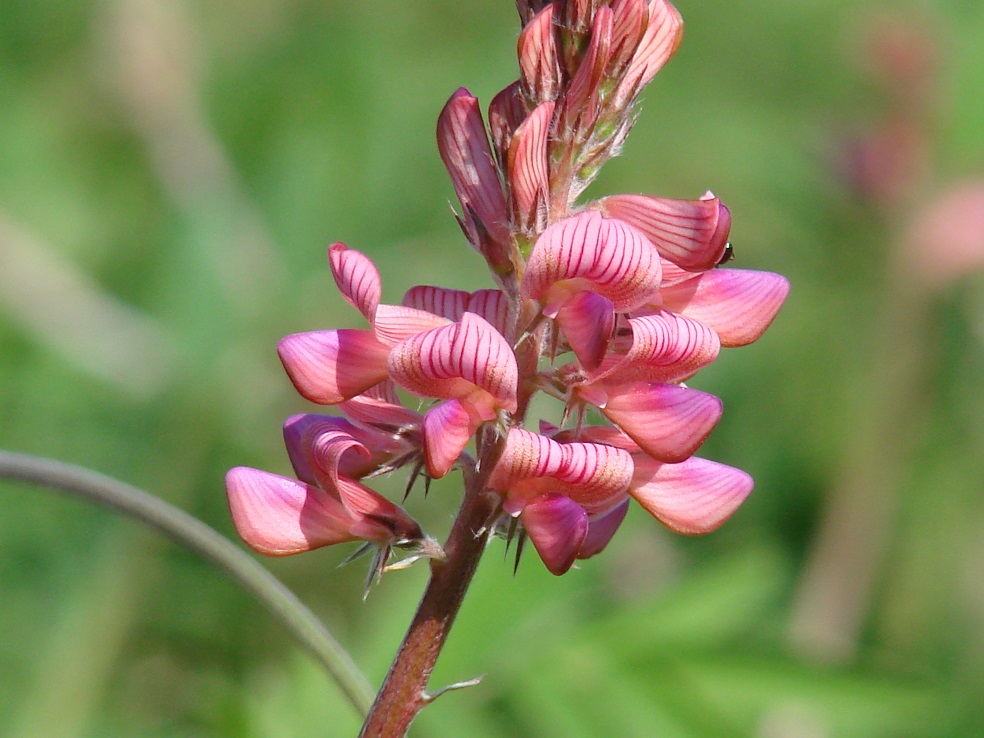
point(193, 534)
point(404, 691)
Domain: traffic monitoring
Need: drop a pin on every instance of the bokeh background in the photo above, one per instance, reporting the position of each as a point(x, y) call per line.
point(170, 173)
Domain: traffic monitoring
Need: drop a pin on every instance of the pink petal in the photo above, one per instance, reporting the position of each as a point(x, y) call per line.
point(587, 321)
point(357, 278)
point(737, 304)
point(278, 516)
point(376, 518)
point(380, 406)
point(455, 360)
point(506, 112)
point(557, 527)
point(596, 476)
point(527, 455)
point(529, 174)
point(538, 59)
point(665, 347)
point(494, 307)
point(394, 323)
point(629, 24)
point(658, 44)
point(317, 444)
point(448, 428)
point(447, 303)
point(590, 251)
point(601, 529)
point(668, 422)
point(690, 233)
point(692, 497)
point(466, 154)
point(328, 367)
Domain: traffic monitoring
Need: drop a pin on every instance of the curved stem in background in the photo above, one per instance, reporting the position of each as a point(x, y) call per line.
point(193, 534)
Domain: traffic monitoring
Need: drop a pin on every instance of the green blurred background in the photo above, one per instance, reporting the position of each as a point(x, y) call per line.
point(170, 173)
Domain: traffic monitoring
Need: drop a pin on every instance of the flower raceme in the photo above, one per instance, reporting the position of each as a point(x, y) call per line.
point(608, 306)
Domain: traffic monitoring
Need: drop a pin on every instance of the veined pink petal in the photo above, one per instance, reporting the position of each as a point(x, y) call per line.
point(660, 41)
point(587, 321)
point(630, 19)
point(593, 475)
point(380, 406)
point(394, 323)
point(664, 347)
point(692, 497)
point(376, 518)
point(494, 307)
point(506, 112)
point(278, 516)
point(466, 154)
point(601, 528)
point(357, 278)
point(447, 303)
point(690, 233)
point(590, 251)
point(557, 527)
point(737, 304)
point(318, 445)
point(668, 422)
point(538, 59)
point(448, 428)
point(529, 175)
point(451, 362)
point(328, 367)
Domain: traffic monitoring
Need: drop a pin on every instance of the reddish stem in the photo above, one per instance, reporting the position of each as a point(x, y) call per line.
point(404, 691)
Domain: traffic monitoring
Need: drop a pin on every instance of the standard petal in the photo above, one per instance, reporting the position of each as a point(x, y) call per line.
point(455, 360)
point(538, 59)
point(596, 476)
point(318, 444)
point(737, 304)
point(557, 527)
point(668, 422)
point(447, 303)
point(357, 278)
point(506, 112)
point(692, 497)
point(590, 251)
point(664, 347)
point(278, 516)
point(527, 456)
point(690, 233)
point(601, 528)
point(394, 323)
point(328, 367)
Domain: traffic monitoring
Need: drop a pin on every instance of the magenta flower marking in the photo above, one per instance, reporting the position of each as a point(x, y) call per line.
point(605, 306)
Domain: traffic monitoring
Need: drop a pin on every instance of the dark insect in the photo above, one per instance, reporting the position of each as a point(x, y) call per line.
point(728, 255)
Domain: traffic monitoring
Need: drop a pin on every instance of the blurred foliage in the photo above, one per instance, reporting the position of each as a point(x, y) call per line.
point(170, 173)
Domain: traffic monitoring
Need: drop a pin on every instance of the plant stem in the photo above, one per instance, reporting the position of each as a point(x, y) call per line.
point(193, 534)
point(404, 691)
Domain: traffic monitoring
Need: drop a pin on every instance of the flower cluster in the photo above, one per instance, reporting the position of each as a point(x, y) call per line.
point(608, 306)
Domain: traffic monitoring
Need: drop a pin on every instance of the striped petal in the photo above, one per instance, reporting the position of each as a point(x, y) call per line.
point(394, 323)
point(557, 527)
point(529, 175)
point(692, 497)
point(539, 62)
point(455, 360)
point(690, 233)
point(447, 303)
point(527, 456)
point(328, 367)
point(737, 304)
point(357, 278)
point(668, 422)
point(601, 529)
point(506, 112)
point(278, 516)
point(664, 347)
point(629, 25)
point(597, 476)
point(590, 251)
point(376, 518)
point(581, 99)
point(381, 407)
point(660, 41)
point(466, 154)
point(494, 307)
